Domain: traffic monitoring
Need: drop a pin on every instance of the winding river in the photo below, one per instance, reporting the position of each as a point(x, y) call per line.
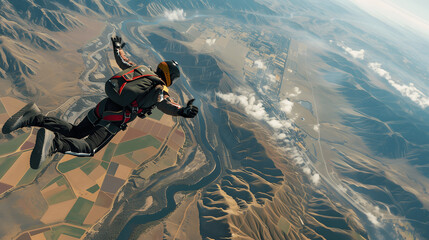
point(173, 189)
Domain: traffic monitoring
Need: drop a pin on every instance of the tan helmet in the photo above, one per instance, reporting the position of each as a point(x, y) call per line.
point(168, 71)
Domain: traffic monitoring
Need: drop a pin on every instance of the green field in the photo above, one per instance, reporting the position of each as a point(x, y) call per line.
point(110, 149)
point(105, 165)
point(52, 181)
point(130, 156)
point(12, 145)
point(29, 176)
point(156, 114)
point(73, 164)
point(63, 181)
point(90, 166)
point(56, 232)
point(7, 162)
point(62, 196)
point(2, 109)
point(93, 189)
point(136, 144)
point(79, 211)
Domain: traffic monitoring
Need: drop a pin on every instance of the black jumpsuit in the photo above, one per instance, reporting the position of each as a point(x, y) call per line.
point(81, 140)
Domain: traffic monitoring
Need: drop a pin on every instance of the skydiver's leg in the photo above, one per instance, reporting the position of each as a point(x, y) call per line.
point(95, 141)
point(30, 115)
point(25, 117)
point(83, 129)
point(48, 143)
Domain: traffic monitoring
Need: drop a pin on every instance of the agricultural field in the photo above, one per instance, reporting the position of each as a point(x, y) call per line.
point(82, 189)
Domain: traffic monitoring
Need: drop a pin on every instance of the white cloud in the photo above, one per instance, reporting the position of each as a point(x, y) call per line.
point(286, 106)
point(376, 67)
point(272, 78)
point(255, 108)
point(274, 123)
point(211, 42)
point(295, 155)
point(409, 90)
point(266, 87)
point(288, 123)
point(307, 170)
point(315, 179)
point(372, 218)
point(316, 127)
point(260, 65)
point(354, 53)
point(251, 106)
point(371, 211)
point(281, 136)
point(296, 92)
point(175, 15)
point(341, 188)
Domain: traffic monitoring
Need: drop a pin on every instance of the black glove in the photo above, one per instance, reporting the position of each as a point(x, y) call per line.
point(117, 42)
point(190, 111)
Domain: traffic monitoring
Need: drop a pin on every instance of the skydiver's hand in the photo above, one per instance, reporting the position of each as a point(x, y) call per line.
point(117, 42)
point(190, 111)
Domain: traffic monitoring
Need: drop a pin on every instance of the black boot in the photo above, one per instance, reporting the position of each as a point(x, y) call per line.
point(23, 118)
point(43, 149)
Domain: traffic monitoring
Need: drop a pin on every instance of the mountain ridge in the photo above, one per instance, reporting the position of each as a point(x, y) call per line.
point(28, 32)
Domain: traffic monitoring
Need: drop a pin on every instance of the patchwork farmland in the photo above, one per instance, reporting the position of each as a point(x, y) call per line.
point(82, 190)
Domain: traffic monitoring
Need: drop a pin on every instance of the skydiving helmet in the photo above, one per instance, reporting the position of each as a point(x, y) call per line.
point(168, 71)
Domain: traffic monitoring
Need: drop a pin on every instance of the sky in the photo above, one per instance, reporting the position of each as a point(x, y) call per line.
point(417, 7)
point(412, 14)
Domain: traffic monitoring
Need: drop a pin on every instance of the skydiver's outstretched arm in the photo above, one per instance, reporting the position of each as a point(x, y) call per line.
point(122, 61)
point(168, 106)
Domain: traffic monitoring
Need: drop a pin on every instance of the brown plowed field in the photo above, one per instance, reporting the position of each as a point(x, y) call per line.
point(123, 172)
point(12, 105)
point(133, 133)
point(57, 212)
point(95, 214)
point(123, 160)
point(18, 169)
point(4, 187)
point(103, 200)
point(98, 174)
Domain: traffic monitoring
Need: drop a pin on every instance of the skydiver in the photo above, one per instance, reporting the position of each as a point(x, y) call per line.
point(106, 119)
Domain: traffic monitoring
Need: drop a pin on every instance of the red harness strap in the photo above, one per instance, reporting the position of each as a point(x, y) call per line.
point(128, 79)
point(118, 116)
point(97, 110)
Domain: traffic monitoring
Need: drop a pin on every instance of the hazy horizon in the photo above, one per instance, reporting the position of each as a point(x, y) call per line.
point(411, 14)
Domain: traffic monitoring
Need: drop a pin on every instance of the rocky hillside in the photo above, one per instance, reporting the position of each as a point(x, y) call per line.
point(26, 29)
point(265, 198)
